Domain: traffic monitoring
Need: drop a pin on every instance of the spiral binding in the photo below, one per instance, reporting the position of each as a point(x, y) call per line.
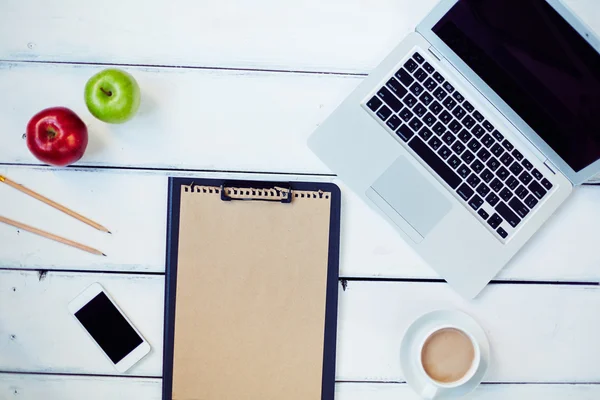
point(274, 194)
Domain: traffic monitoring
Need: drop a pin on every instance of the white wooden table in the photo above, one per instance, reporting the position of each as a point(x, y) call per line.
point(233, 88)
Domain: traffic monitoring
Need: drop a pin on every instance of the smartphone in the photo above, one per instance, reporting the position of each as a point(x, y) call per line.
point(106, 324)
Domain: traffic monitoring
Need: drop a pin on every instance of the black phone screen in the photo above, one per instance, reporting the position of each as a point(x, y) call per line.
point(108, 327)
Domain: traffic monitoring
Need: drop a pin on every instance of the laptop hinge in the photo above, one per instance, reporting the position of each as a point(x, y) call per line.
point(551, 167)
point(436, 53)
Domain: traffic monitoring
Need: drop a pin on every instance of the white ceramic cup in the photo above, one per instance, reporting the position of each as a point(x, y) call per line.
point(433, 387)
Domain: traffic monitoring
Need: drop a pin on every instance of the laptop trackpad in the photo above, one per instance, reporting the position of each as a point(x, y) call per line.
point(407, 197)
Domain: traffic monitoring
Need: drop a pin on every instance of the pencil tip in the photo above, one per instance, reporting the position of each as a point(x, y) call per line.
point(109, 232)
point(104, 255)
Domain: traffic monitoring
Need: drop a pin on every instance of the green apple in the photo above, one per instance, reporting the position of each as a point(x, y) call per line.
point(112, 96)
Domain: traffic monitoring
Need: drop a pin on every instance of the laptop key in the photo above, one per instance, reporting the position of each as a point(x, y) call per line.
point(537, 174)
point(449, 103)
point(516, 168)
point(487, 175)
point(468, 106)
point(492, 199)
point(454, 161)
point(487, 140)
point(435, 108)
point(527, 164)
point(445, 117)
point(458, 97)
point(404, 77)
point(410, 101)
point(429, 119)
point(463, 171)
point(405, 133)
point(439, 128)
point(496, 185)
point(483, 190)
point(420, 75)
point(467, 157)
point(474, 145)
point(465, 191)
point(426, 98)
point(518, 207)
point(476, 202)
point(396, 87)
point(448, 138)
point(525, 178)
point(394, 122)
point(430, 84)
point(389, 99)
point(517, 155)
point(384, 113)
point(425, 133)
point(449, 88)
point(438, 77)
point(508, 145)
point(406, 114)
point(444, 152)
point(537, 189)
point(374, 103)
point(435, 143)
point(488, 126)
point(415, 124)
point(478, 131)
point(483, 154)
point(477, 166)
point(410, 66)
point(468, 121)
point(459, 112)
point(473, 180)
point(418, 58)
point(521, 192)
point(493, 163)
point(483, 214)
point(531, 201)
point(477, 115)
point(495, 221)
point(416, 89)
point(546, 183)
point(499, 137)
point(464, 136)
point(506, 194)
point(440, 94)
point(427, 67)
point(502, 173)
point(508, 214)
point(455, 126)
point(497, 150)
point(420, 110)
point(507, 159)
point(502, 233)
point(458, 147)
point(512, 182)
point(431, 159)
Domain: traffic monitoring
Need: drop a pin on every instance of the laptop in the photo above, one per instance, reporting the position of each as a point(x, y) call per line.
point(473, 131)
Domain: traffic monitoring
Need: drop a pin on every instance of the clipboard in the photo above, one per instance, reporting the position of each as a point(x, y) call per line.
point(251, 290)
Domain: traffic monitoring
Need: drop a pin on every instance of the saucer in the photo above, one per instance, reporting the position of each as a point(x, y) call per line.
point(410, 351)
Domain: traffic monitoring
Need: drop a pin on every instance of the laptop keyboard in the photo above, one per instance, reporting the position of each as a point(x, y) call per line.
point(486, 172)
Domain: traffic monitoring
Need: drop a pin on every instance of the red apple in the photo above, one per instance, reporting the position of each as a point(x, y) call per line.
point(57, 136)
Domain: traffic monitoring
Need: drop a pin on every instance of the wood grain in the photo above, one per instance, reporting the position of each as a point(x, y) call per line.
point(53, 387)
point(539, 333)
point(128, 200)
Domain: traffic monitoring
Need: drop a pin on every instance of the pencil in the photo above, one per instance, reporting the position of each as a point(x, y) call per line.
point(51, 236)
point(54, 204)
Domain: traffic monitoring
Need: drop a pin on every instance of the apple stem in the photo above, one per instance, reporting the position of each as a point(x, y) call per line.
point(108, 93)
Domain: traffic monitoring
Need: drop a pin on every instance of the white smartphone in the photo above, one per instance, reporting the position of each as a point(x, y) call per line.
point(106, 324)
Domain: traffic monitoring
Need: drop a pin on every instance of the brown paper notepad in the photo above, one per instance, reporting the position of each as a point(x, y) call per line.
point(254, 286)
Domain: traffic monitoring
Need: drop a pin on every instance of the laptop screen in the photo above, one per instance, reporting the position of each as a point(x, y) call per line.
point(538, 64)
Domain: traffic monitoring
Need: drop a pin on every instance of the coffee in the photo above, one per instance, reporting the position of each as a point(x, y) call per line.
point(447, 355)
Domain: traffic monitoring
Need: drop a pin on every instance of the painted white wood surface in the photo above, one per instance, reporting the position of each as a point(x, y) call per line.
point(28, 387)
point(316, 35)
point(539, 333)
point(124, 201)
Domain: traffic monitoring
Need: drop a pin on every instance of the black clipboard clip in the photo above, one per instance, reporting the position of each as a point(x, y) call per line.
point(256, 191)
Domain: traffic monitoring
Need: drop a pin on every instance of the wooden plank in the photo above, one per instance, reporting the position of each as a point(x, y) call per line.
point(538, 333)
point(124, 201)
point(53, 387)
point(315, 35)
point(193, 119)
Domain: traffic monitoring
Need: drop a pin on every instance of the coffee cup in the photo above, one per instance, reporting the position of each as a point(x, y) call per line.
point(448, 358)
